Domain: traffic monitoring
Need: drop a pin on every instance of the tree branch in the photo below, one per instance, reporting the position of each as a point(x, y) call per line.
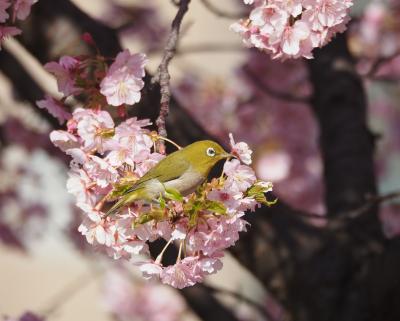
point(272, 92)
point(347, 145)
point(162, 76)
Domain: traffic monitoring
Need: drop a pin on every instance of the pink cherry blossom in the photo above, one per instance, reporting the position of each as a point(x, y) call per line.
point(292, 29)
point(93, 127)
point(210, 265)
point(97, 232)
point(150, 270)
point(79, 185)
point(240, 177)
point(55, 108)
point(181, 274)
point(230, 198)
point(123, 81)
point(128, 299)
point(326, 13)
point(293, 36)
point(4, 5)
point(22, 8)
point(63, 140)
point(101, 172)
point(131, 144)
point(6, 32)
point(64, 73)
point(241, 150)
point(149, 163)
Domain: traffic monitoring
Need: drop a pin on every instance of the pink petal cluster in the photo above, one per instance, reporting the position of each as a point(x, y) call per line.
point(375, 38)
point(292, 29)
point(4, 5)
point(55, 108)
point(86, 76)
point(240, 150)
point(123, 82)
point(6, 31)
point(22, 8)
point(65, 72)
point(130, 299)
point(104, 155)
point(9, 11)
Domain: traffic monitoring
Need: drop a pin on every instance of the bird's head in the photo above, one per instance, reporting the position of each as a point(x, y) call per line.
point(203, 155)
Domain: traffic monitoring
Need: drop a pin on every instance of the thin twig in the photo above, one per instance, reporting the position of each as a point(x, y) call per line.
point(260, 308)
point(220, 13)
point(272, 92)
point(371, 202)
point(350, 215)
point(162, 76)
point(378, 63)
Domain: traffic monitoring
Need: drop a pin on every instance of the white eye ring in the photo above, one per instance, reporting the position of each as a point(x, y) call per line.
point(210, 152)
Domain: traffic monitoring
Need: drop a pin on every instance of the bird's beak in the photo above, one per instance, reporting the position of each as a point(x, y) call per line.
point(227, 155)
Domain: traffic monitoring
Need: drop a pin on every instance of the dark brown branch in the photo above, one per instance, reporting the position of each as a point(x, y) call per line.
point(205, 305)
point(378, 63)
point(25, 88)
point(272, 92)
point(241, 298)
point(370, 203)
point(162, 76)
point(220, 13)
point(347, 145)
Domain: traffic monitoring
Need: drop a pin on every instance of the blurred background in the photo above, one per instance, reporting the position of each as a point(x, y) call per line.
point(46, 266)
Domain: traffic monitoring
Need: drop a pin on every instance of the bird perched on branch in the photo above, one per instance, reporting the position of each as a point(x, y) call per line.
point(183, 170)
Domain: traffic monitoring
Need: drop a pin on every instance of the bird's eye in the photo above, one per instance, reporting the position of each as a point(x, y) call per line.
point(210, 152)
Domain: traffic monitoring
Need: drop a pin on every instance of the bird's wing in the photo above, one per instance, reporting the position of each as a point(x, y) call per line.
point(164, 171)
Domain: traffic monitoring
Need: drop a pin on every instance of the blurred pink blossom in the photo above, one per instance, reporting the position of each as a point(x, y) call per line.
point(55, 108)
point(22, 8)
point(64, 72)
point(273, 166)
point(6, 31)
point(129, 299)
point(4, 5)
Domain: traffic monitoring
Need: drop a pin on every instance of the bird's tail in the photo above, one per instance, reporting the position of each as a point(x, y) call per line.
point(123, 201)
point(115, 208)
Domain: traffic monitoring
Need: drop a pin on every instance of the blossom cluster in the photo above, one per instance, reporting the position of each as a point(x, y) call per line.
point(10, 11)
point(292, 29)
point(376, 34)
point(374, 38)
point(130, 299)
point(116, 85)
point(107, 158)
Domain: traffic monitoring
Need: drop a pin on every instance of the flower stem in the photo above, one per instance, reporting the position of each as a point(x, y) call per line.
point(160, 256)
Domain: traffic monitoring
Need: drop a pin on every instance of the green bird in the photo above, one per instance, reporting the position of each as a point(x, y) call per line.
point(182, 170)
